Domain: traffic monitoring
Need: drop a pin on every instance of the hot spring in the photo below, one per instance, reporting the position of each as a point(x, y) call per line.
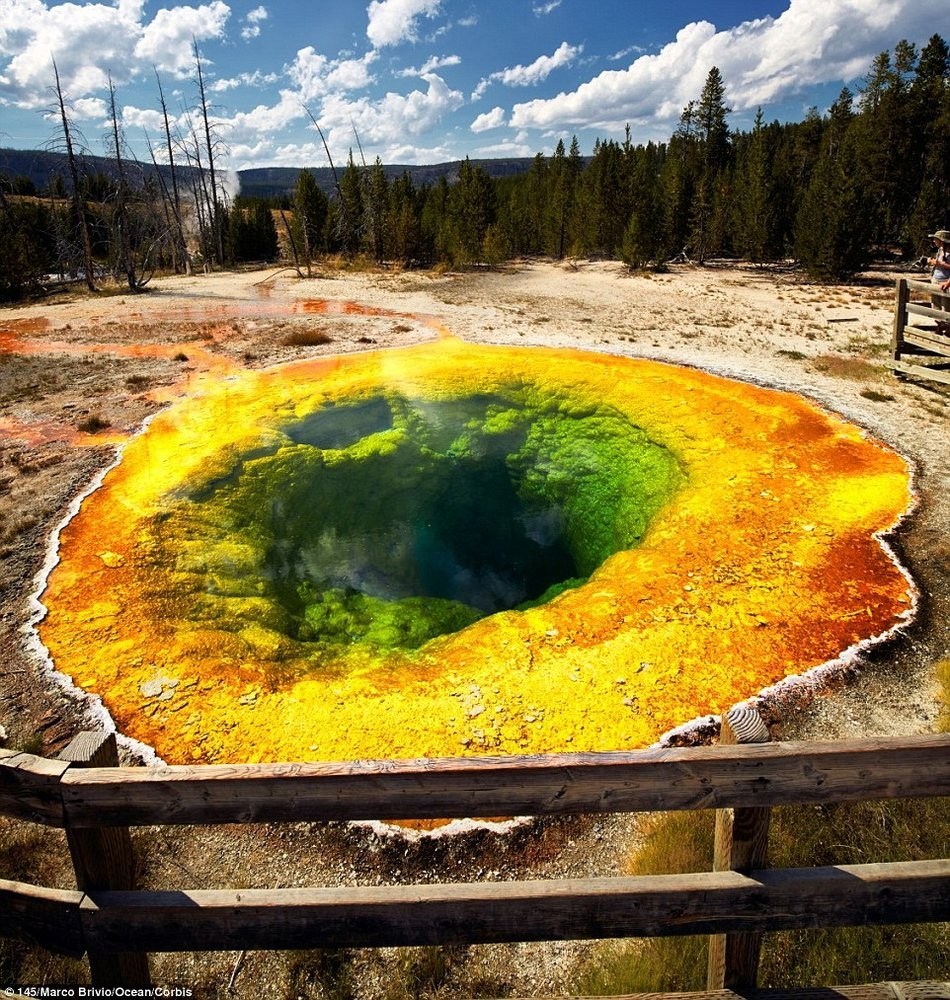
point(452, 549)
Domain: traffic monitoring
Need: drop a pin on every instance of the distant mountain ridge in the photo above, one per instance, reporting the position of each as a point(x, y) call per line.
point(272, 181)
point(41, 165)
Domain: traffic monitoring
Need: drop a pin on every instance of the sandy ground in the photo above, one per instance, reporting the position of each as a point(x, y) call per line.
point(79, 375)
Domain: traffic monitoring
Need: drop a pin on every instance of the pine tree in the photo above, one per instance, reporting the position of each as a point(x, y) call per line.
point(376, 204)
point(643, 239)
point(707, 219)
point(832, 234)
point(436, 229)
point(930, 93)
point(754, 211)
point(679, 176)
point(351, 214)
point(404, 220)
point(555, 222)
point(710, 118)
point(472, 202)
point(887, 145)
point(311, 207)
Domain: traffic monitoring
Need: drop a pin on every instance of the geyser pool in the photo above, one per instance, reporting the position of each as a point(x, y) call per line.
point(456, 549)
point(394, 519)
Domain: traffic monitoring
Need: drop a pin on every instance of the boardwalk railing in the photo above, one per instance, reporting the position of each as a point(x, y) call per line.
point(921, 341)
point(116, 924)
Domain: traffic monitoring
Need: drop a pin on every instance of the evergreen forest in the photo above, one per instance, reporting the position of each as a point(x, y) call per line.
point(865, 181)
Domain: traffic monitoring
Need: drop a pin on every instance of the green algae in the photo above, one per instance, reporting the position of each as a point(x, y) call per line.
point(344, 616)
point(388, 520)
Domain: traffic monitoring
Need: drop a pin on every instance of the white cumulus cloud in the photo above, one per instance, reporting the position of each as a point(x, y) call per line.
point(395, 21)
point(90, 41)
point(252, 23)
point(83, 40)
point(255, 79)
point(314, 75)
point(166, 41)
point(761, 61)
point(525, 76)
point(490, 119)
point(391, 119)
point(430, 65)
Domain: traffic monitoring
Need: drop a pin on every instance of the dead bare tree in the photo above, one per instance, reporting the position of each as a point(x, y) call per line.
point(170, 226)
point(181, 245)
point(210, 146)
point(190, 146)
point(78, 200)
point(326, 148)
point(125, 258)
point(293, 244)
point(374, 184)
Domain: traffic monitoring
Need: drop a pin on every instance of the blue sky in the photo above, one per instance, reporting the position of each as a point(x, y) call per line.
point(424, 81)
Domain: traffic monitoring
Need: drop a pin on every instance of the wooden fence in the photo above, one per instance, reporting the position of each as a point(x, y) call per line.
point(921, 341)
point(115, 924)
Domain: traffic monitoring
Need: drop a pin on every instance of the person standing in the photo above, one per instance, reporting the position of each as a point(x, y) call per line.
point(940, 265)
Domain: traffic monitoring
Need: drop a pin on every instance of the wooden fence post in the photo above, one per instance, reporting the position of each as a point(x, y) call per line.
point(103, 859)
point(741, 844)
point(901, 298)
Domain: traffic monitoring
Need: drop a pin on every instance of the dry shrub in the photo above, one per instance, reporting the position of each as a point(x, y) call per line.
point(93, 424)
point(310, 337)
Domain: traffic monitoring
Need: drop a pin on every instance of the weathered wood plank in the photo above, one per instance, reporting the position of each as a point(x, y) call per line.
point(741, 844)
point(29, 787)
point(901, 298)
point(919, 309)
point(656, 779)
point(928, 340)
point(925, 286)
point(868, 991)
point(714, 902)
point(103, 859)
point(48, 917)
point(919, 371)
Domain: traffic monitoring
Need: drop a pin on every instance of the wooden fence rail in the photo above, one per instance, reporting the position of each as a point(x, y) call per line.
point(921, 340)
point(107, 919)
point(59, 794)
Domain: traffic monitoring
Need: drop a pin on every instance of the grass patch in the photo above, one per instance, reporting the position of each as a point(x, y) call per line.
point(837, 366)
point(876, 396)
point(866, 347)
point(33, 853)
point(324, 972)
point(801, 836)
point(943, 677)
point(794, 355)
point(846, 833)
point(675, 843)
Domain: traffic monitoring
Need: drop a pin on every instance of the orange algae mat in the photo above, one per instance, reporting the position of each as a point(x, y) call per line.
point(762, 564)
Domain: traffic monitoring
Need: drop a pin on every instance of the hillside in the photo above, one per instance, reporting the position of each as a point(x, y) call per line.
point(40, 165)
point(269, 181)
